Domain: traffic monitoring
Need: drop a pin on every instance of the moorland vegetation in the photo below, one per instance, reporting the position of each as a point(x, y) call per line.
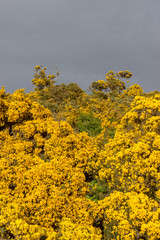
point(80, 165)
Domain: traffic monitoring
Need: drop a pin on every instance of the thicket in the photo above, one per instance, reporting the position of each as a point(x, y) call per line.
point(80, 165)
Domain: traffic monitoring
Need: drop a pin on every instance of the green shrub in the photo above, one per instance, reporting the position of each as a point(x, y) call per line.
point(88, 123)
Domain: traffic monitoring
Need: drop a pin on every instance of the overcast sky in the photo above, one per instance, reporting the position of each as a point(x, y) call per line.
point(84, 39)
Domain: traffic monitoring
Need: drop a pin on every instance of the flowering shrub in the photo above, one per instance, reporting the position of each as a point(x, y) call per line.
point(89, 170)
point(41, 81)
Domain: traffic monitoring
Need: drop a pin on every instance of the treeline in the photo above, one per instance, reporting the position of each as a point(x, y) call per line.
point(80, 165)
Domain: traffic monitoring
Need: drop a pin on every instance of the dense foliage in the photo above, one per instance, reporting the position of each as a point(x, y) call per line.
point(78, 165)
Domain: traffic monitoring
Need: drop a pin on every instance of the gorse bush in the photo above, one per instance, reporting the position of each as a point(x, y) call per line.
point(80, 166)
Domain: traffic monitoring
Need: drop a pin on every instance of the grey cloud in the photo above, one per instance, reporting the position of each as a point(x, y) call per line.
point(84, 39)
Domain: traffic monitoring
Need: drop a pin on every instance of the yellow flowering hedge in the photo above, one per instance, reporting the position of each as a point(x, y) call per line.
point(60, 183)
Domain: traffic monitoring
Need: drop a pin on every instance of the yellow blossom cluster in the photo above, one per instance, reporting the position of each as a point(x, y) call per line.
point(130, 168)
point(43, 166)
